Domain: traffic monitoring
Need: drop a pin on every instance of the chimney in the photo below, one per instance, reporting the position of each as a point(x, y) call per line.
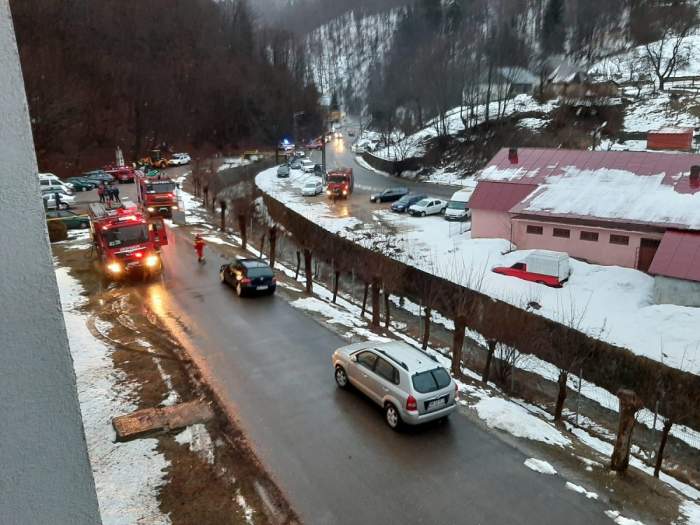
point(695, 176)
point(513, 157)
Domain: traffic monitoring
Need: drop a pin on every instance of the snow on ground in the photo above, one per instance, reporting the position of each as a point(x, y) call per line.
point(581, 490)
point(619, 519)
point(691, 511)
point(414, 145)
point(654, 111)
point(516, 420)
point(539, 465)
point(614, 303)
point(127, 475)
point(197, 438)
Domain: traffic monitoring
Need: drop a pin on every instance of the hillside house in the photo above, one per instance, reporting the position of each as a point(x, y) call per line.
point(678, 139)
point(632, 209)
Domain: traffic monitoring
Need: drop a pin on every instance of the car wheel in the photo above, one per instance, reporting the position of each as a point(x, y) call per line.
point(391, 414)
point(422, 214)
point(239, 290)
point(84, 225)
point(341, 378)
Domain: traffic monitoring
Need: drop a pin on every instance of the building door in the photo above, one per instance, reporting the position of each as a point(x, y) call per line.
point(647, 250)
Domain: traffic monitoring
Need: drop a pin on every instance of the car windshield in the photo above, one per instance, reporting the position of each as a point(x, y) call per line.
point(126, 236)
point(337, 179)
point(430, 381)
point(423, 202)
point(161, 187)
point(457, 205)
point(254, 273)
point(310, 185)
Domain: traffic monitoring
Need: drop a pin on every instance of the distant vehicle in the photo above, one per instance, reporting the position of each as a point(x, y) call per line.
point(363, 145)
point(351, 133)
point(409, 384)
point(312, 188)
point(315, 144)
point(156, 194)
point(122, 174)
point(307, 166)
point(179, 159)
point(430, 206)
point(341, 182)
point(72, 220)
point(282, 171)
point(156, 159)
point(389, 195)
point(67, 200)
point(337, 135)
point(458, 206)
point(299, 154)
point(249, 276)
point(286, 145)
point(542, 267)
point(82, 184)
point(295, 164)
point(402, 205)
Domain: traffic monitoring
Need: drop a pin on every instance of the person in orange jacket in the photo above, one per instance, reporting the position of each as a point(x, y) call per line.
point(199, 245)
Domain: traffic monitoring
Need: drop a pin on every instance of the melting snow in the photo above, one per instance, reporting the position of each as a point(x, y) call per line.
point(539, 465)
point(581, 490)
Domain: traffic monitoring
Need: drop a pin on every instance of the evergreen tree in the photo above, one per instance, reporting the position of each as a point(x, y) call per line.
point(553, 30)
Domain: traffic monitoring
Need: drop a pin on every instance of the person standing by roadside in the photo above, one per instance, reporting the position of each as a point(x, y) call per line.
point(115, 194)
point(101, 191)
point(57, 200)
point(109, 194)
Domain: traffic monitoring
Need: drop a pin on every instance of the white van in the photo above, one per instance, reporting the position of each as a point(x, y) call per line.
point(458, 207)
point(49, 181)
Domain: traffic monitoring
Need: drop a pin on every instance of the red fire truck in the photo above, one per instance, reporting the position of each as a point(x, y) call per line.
point(122, 174)
point(127, 243)
point(340, 183)
point(156, 193)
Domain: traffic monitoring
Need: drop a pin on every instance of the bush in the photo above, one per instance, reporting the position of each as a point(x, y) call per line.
point(58, 231)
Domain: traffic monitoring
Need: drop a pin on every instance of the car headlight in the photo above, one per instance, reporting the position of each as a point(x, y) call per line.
point(328, 192)
point(345, 192)
point(114, 267)
point(151, 208)
point(175, 208)
point(152, 261)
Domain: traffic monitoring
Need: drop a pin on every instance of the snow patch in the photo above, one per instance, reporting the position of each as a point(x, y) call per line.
point(540, 466)
point(581, 490)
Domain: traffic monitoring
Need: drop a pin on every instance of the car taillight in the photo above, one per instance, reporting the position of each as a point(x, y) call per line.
point(411, 404)
point(246, 281)
point(138, 255)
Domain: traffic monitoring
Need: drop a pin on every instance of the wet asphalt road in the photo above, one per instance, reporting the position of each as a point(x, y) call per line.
point(329, 450)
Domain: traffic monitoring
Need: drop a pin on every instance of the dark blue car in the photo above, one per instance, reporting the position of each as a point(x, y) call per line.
point(249, 276)
point(405, 202)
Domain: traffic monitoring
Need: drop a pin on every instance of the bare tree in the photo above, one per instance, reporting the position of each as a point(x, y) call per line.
point(667, 54)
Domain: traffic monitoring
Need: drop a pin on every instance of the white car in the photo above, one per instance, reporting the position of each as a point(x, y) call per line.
point(48, 181)
point(307, 166)
point(429, 206)
point(312, 188)
point(179, 159)
point(66, 200)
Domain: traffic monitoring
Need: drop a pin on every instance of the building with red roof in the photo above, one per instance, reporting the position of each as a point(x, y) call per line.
point(633, 209)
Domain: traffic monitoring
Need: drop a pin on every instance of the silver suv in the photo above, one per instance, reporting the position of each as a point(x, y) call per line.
point(409, 384)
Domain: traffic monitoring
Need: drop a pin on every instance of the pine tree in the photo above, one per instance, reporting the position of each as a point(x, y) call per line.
point(553, 31)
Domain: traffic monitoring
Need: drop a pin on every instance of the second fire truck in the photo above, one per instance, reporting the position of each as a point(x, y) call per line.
point(156, 193)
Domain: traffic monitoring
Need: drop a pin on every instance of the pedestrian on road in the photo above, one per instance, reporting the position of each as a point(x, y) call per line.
point(109, 191)
point(101, 191)
point(115, 194)
point(57, 200)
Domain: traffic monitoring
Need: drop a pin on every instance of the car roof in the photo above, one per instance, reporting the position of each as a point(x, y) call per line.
point(253, 263)
point(405, 356)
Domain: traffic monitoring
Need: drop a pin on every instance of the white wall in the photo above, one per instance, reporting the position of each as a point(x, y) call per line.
point(45, 474)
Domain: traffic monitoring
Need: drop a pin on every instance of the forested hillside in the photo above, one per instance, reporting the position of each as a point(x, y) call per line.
point(194, 74)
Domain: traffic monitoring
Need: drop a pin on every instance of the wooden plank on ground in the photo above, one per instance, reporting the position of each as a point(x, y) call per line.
point(150, 420)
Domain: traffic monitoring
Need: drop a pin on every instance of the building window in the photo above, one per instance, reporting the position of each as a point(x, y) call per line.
point(561, 232)
point(534, 230)
point(589, 236)
point(624, 240)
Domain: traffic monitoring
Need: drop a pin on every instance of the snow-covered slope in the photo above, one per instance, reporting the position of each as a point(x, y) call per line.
point(342, 52)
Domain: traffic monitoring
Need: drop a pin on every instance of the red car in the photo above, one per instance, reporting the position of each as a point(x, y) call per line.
point(122, 174)
point(542, 267)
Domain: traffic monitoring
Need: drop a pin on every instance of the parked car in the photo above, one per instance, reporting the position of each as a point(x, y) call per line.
point(409, 384)
point(458, 206)
point(542, 267)
point(49, 183)
point(307, 166)
point(389, 195)
point(295, 164)
point(72, 220)
point(98, 175)
point(312, 188)
point(282, 171)
point(402, 205)
point(67, 200)
point(318, 170)
point(249, 276)
point(429, 206)
point(179, 159)
point(81, 183)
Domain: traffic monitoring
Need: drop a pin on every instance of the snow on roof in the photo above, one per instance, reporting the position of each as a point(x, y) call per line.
point(568, 72)
point(673, 131)
point(615, 195)
point(678, 256)
point(641, 187)
point(518, 75)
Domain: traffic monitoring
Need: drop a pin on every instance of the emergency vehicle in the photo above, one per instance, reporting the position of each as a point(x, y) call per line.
point(127, 242)
point(156, 193)
point(340, 183)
